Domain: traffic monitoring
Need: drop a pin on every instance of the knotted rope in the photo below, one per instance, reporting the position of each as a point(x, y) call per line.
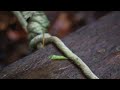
point(37, 31)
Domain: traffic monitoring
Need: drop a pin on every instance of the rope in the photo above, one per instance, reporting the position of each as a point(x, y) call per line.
point(37, 30)
point(37, 25)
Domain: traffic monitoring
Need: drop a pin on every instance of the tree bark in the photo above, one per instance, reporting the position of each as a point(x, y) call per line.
point(96, 44)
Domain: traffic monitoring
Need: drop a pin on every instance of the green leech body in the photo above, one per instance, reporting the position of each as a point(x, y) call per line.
point(57, 57)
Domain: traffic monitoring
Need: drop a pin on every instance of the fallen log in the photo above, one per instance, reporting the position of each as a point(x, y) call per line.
point(96, 44)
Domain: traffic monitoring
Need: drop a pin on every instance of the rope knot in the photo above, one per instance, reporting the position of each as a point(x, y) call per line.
point(38, 23)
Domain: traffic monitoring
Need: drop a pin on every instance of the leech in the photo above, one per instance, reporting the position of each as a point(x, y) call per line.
point(57, 57)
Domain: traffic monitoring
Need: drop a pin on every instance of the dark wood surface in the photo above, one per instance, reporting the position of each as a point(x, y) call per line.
point(97, 44)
